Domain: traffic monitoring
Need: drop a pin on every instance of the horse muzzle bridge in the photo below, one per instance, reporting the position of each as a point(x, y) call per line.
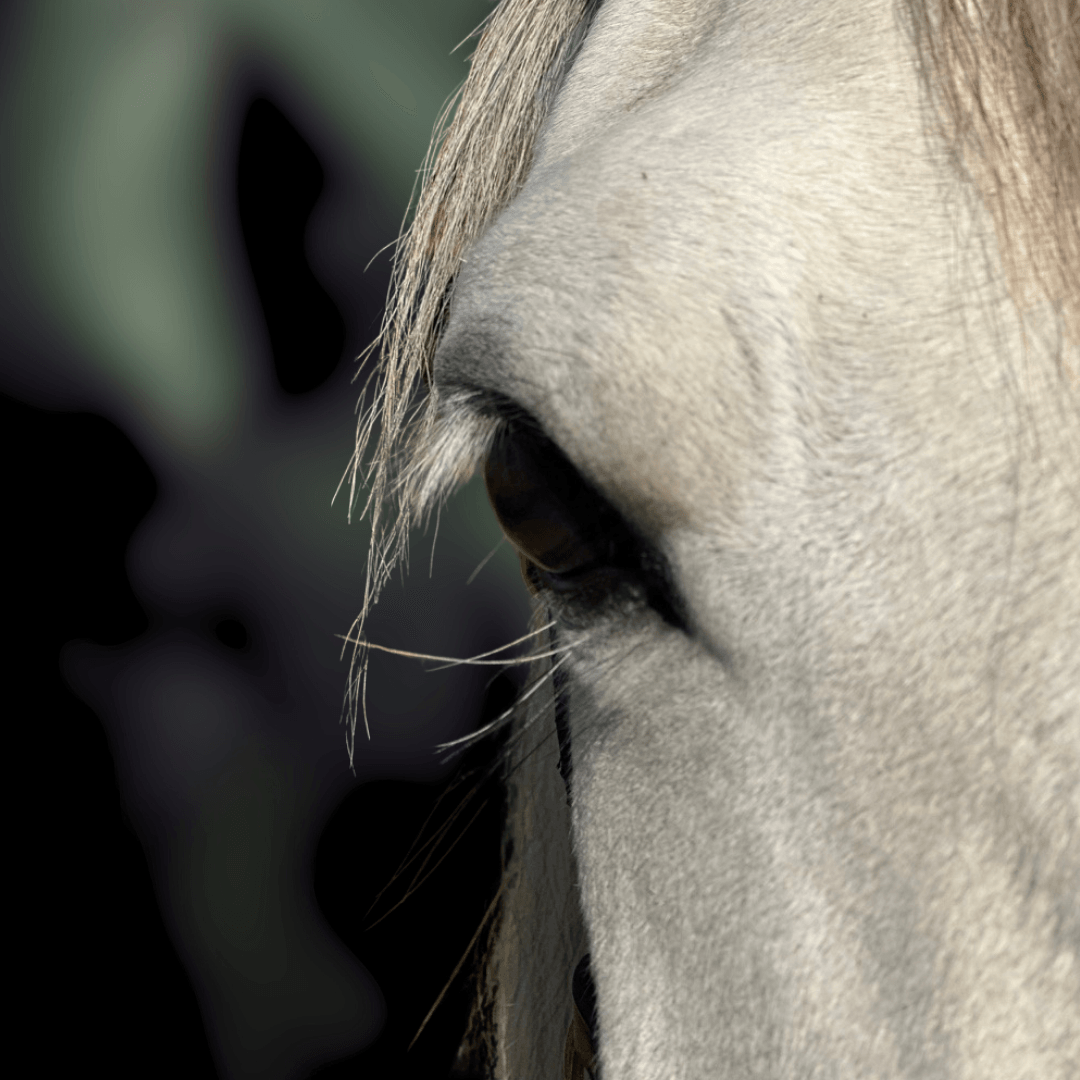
point(579, 1056)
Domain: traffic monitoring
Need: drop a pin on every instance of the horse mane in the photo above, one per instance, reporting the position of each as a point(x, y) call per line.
point(1001, 79)
point(1004, 78)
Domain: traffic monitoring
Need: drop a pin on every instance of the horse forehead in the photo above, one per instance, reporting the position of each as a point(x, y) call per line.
point(560, 310)
point(610, 297)
point(638, 52)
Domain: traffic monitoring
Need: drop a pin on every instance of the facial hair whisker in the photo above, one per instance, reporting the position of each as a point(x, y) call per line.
point(481, 732)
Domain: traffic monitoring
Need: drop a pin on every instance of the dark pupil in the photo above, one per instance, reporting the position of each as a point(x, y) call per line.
point(544, 506)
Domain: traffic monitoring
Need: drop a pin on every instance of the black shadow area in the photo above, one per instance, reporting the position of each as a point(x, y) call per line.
point(97, 981)
point(431, 906)
point(278, 182)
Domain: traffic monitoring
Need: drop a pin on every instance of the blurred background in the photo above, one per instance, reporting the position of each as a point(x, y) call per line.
point(189, 194)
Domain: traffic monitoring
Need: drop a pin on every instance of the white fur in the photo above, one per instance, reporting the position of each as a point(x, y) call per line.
point(831, 830)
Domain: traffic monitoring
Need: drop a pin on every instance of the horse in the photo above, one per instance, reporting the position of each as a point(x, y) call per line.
point(762, 322)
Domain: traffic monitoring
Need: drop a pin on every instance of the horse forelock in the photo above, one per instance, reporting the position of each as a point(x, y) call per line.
point(474, 167)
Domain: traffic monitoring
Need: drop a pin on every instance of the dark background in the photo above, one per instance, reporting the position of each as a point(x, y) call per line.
point(105, 981)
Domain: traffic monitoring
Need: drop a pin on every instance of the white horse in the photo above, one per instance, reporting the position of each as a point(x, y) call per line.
point(764, 318)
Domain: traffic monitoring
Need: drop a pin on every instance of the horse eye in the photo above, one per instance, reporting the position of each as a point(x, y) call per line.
point(549, 513)
point(571, 540)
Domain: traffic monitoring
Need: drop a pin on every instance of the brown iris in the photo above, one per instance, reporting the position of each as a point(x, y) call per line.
point(548, 512)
